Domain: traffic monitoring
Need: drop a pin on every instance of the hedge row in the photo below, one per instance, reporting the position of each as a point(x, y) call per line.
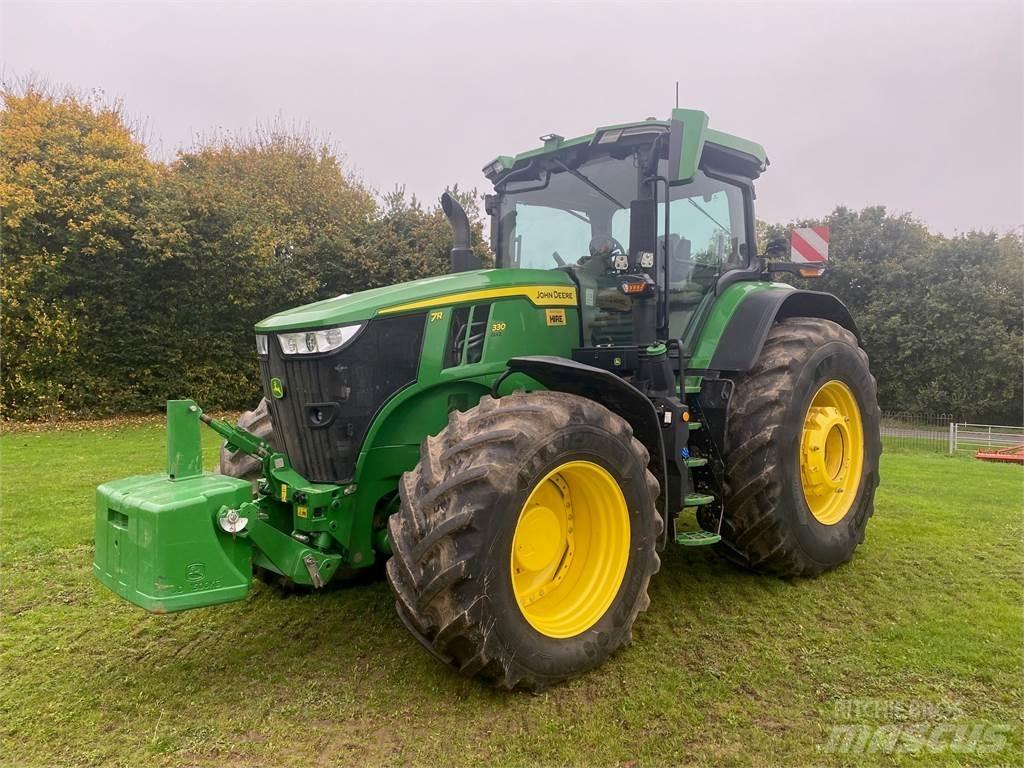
point(128, 281)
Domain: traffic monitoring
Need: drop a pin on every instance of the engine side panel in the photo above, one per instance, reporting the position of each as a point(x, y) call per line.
point(446, 381)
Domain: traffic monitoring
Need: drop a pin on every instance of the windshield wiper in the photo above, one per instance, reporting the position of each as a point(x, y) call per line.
point(589, 183)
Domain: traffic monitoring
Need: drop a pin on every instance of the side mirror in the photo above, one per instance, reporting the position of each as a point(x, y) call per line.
point(687, 129)
point(777, 248)
point(675, 148)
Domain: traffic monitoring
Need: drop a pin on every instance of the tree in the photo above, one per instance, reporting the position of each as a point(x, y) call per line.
point(409, 241)
point(73, 187)
point(127, 282)
point(941, 318)
point(240, 229)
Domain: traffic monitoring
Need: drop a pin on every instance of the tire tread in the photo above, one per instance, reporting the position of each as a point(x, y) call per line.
point(434, 535)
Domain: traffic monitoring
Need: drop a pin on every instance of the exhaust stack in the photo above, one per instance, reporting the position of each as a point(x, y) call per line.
point(462, 259)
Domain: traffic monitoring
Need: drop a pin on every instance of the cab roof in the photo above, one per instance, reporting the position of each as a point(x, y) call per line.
point(746, 157)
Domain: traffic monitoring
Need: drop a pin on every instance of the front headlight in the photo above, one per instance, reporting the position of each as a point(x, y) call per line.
point(316, 342)
point(261, 345)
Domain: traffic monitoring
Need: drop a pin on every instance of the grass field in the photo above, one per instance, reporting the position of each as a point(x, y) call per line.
point(922, 630)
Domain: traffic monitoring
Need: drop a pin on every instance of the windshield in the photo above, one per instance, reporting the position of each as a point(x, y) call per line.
point(563, 212)
point(580, 218)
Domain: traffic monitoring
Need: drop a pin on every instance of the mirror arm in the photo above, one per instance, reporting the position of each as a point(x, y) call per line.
point(792, 268)
point(666, 268)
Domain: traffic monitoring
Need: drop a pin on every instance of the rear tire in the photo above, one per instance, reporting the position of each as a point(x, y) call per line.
point(768, 525)
point(456, 538)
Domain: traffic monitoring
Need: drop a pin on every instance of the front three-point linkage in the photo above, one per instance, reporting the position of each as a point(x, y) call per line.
point(284, 501)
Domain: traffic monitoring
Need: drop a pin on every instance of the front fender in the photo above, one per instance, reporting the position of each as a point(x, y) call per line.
point(614, 393)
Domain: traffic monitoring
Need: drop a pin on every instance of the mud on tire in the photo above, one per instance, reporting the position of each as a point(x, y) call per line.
point(452, 535)
point(768, 526)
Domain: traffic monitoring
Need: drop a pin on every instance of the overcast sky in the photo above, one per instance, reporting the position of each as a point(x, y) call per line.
point(919, 107)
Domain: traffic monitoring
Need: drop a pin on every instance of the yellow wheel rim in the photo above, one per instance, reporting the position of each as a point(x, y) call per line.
point(570, 548)
point(831, 452)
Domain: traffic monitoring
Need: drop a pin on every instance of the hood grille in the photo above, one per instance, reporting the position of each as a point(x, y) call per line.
point(330, 400)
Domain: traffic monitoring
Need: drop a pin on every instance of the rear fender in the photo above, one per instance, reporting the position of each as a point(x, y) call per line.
point(741, 343)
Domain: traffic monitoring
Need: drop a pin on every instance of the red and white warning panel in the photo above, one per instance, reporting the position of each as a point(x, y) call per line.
point(809, 245)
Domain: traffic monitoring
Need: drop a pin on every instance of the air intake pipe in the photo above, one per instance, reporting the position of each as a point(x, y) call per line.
point(462, 259)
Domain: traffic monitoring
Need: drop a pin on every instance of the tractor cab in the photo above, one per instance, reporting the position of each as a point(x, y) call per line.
point(570, 205)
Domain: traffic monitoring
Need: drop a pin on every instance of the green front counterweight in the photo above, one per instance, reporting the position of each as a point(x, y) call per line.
point(190, 538)
point(158, 541)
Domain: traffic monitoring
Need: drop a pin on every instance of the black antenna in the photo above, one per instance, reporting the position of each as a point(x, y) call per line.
point(677, 94)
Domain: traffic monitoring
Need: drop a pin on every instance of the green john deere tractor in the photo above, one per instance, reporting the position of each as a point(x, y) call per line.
point(520, 443)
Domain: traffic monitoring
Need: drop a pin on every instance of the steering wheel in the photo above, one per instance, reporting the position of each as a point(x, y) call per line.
point(608, 246)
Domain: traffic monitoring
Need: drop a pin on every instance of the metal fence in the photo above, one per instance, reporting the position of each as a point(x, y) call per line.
point(943, 433)
point(983, 437)
point(916, 431)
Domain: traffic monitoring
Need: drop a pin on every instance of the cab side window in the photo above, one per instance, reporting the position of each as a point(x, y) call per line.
point(707, 237)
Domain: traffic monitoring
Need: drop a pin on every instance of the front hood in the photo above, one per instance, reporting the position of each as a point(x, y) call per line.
point(417, 295)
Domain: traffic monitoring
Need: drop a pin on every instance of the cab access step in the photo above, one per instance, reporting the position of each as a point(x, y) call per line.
point(698, 537)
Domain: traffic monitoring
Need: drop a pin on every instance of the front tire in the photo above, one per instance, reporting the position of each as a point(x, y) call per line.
point(802, 450)
point(526, 539)
point(240, 464)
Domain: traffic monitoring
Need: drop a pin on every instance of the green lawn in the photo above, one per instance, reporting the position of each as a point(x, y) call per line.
point(726, 668)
